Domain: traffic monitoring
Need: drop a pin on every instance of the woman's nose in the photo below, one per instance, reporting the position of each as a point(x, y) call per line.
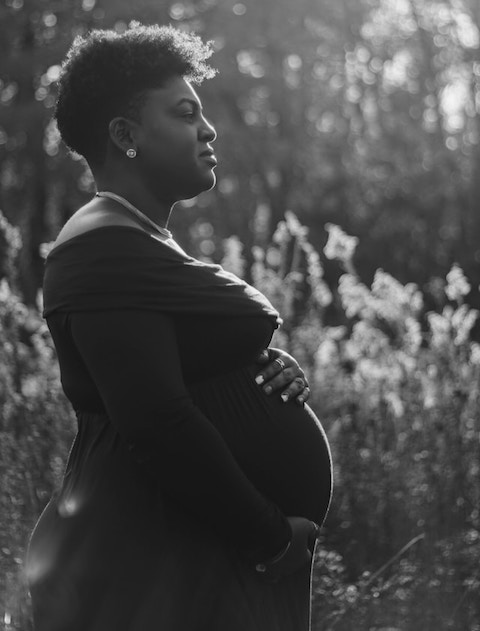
point(207, 131)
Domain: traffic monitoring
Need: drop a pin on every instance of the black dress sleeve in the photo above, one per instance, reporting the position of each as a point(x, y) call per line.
point(132, 357)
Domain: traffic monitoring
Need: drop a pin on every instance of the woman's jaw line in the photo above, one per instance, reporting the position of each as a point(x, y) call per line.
point(117, 176)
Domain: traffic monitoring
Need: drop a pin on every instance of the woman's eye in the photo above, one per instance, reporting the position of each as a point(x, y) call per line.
point(189, 115)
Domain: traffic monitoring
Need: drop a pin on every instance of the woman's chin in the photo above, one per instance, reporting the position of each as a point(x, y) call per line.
point(206, 182)
point(213, 181)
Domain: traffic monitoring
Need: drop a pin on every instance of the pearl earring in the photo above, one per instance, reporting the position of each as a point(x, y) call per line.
point(131, 153)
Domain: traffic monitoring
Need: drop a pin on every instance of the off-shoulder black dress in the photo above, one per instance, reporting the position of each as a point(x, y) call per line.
point(182, 470)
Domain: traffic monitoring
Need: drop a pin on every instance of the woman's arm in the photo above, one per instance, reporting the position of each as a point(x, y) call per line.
point(133, 359)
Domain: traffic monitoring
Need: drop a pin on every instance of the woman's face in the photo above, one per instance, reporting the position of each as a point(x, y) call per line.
point(173, 142)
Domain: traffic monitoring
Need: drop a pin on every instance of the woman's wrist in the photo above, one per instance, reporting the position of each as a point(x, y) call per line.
point(295, 555)
point(262, 567)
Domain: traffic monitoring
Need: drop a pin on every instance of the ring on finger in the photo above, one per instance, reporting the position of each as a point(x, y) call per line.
point(280, 362)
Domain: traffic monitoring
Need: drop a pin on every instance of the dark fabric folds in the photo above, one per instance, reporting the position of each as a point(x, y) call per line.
point(182, 469)
point(133, 269)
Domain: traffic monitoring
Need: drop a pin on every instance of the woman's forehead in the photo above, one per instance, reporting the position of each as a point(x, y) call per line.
point(173, 93)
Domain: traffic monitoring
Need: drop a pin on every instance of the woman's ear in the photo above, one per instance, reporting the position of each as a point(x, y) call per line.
point(121, 133)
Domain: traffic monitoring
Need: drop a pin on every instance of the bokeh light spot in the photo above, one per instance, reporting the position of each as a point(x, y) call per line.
point(239, 9)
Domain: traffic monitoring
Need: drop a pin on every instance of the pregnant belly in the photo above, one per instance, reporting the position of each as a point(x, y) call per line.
point(281, 447)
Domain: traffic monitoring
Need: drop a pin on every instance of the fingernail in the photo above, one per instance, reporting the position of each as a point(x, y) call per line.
point(267, 389)
point(284, 397)
point(259, 379)
point(300, 400)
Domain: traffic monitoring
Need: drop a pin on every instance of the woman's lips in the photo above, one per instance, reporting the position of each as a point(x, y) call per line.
point(209, 157)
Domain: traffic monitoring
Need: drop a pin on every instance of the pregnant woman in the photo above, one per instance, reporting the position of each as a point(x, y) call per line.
point(190, 498)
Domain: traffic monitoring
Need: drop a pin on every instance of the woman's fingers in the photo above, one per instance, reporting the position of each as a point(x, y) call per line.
point(297, 390)
point(288, 380)
point(281, 373)
point(303, 397)
point(274, 377)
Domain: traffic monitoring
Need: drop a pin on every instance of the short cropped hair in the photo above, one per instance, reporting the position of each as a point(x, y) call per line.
point(106, 74)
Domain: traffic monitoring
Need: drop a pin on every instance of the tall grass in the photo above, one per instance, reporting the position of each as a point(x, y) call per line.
point(36, 428)
point(398, 392)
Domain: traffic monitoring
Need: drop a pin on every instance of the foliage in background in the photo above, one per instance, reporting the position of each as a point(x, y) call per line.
point(398, 392)
point(36, 428)
point(398, 389)
point(361, 113)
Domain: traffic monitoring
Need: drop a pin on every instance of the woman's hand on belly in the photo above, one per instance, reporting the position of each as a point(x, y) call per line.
point(282, 373)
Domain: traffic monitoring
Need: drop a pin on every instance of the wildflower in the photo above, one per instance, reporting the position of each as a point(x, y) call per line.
point(475, 353)
point(440, 327)
point(351, 594)
point(430, 394)
point(457, 285)
point(321, 293)
point(320, 290)
point(415, 298)
point(394, 300)
point(366, 341)
point(336, 332)
point(273, 257)
point(412, 338)
point(31, 386)
point(294, 226)
point(463, 320)
point(281, 234)
point(355, 296)
point(395, 403)
point(327, 353)
point(314, 265)
point(407, 360)
point(258, 253)
point(370, 371)
point(233, 260)
point(5, 292)
point(340, 246)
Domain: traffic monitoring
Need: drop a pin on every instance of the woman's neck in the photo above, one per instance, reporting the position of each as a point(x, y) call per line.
point(149, 204)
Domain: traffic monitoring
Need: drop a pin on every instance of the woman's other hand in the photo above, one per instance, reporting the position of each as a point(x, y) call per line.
point(296, 555)
point(282, 372)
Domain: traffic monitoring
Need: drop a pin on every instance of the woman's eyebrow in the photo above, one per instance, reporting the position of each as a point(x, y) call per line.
point(190, 101)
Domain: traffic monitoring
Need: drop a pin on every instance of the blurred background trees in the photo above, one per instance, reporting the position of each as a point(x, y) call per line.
point(363, 114)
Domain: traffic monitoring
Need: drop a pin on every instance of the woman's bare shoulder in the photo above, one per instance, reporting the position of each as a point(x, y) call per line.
point(93, 215)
